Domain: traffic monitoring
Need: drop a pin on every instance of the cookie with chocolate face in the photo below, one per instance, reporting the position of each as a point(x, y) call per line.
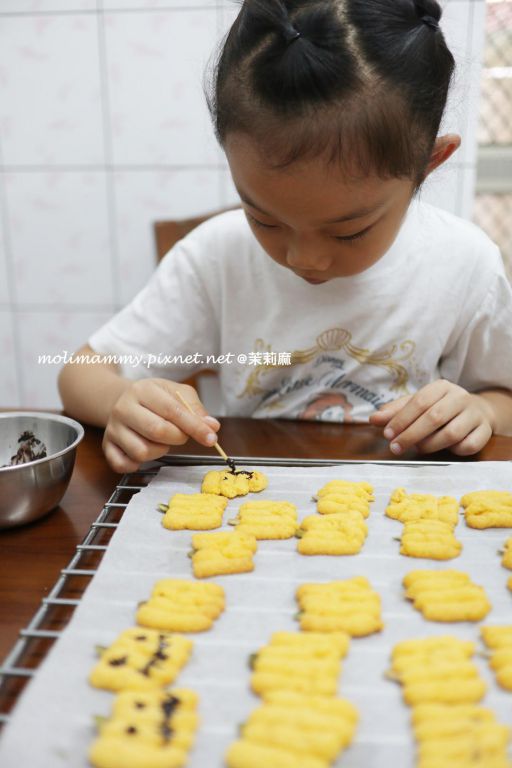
point(194, 512)
point(231, 484)
point(141, 659)
point(155, 729)
point(180, 605)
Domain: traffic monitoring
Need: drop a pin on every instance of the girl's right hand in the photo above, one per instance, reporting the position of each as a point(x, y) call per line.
point(148, 417)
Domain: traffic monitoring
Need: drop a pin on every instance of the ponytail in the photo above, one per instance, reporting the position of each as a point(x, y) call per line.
point(360, 79)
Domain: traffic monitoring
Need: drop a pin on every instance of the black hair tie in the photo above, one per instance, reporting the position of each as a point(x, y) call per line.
point(430, 21)
point(290, 34)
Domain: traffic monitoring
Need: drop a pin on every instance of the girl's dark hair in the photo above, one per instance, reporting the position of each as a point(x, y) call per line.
point(363, 82)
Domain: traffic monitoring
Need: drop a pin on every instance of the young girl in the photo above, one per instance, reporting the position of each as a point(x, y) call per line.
point(390, 310)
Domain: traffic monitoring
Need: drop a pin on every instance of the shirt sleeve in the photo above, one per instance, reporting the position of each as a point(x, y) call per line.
point(171, 327)
point(481, 355)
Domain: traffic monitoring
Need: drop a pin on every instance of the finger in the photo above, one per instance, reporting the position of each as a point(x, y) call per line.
point(213, 422)
point(190, 395)
point(136, 447)
point(150, 426)
point(451, 434)
point(424, 401)
point(387, 411)
point(428, 423)
point(474, 442)
point(163, 402)
point(118, 460)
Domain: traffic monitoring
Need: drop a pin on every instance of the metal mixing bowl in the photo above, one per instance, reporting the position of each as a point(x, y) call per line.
point(29, 491)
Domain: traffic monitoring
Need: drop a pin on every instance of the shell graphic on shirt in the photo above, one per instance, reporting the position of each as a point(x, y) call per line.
point(336, 340)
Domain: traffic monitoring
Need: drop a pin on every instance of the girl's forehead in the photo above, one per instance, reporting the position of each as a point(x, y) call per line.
point(314, 188)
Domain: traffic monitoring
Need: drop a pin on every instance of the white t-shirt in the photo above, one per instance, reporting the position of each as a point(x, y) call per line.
point(436, 305)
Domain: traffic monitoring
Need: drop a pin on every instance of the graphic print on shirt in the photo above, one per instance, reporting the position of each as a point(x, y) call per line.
point(328, 407)
point(329, 377)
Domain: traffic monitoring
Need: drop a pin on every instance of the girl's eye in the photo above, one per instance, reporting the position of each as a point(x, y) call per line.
point(351, 238)
point(260, 223)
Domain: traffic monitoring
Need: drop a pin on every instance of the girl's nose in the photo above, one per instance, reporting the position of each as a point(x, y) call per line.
point(307, 256)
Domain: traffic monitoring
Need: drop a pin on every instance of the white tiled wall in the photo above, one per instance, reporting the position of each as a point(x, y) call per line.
point(104, 129)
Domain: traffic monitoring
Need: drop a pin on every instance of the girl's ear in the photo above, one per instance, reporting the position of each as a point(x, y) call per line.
point(444, 147)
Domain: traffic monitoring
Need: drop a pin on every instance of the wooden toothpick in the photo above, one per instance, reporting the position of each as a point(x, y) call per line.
point(229, 462)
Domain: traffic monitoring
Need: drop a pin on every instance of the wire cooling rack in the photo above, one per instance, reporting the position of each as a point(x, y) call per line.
point(56, 610)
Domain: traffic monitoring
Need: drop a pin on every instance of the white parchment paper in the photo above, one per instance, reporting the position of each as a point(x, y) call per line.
point(52, 725)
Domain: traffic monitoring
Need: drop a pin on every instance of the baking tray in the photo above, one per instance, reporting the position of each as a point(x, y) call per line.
point(17, 668)
point(55, 611)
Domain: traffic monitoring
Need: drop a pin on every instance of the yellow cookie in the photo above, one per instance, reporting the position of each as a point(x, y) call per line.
point(498, 640)
point(296, 661)
point(336, 534)
point(247, 754)
point(178, 605)
point(446, 596)
point(437, 670)
point(334, 521)
point(334, 503)
point(313, 642)
point(443, 686)
point(459, 732)
point(267, 519)
point(231, 484)
point(506, 559)
point(303, 726)
point(141, 659)
point(431, 539)
point(153, 728)
point(411, 507)
point(353, 488)
point(194, 511)
point(294, 724)
point(488, 509)
point(214, 554)
point(440, 646)
point(301, 723)
point(344, 497)
point(497, 636)
point(350, 606)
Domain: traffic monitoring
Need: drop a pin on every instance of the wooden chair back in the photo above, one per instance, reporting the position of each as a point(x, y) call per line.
point(167, 234)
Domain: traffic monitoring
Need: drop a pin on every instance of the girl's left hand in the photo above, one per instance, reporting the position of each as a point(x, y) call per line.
point(438, 416)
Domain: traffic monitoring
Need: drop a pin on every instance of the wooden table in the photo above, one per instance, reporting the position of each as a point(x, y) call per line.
point(31, 557)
